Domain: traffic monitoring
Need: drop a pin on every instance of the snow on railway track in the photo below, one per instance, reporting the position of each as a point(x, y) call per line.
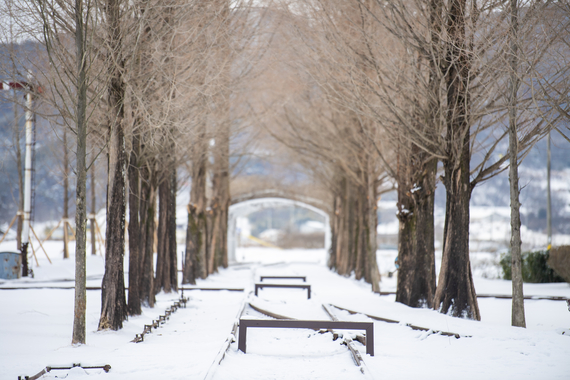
point(323, 351)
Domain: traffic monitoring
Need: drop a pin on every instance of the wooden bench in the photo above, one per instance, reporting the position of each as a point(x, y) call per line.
point(304, 324)
point(293, 286)
point(304, 278)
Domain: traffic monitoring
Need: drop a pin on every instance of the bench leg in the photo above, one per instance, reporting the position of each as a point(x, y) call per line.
point(242, 336)
point(369, 341)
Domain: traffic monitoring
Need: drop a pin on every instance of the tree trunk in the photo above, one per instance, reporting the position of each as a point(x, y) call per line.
point(518, 317)
point(162, 279)
point(361, 245)
point(334, 221)
point(455, 293)
point(166, 260)
point(220, 197)
point(423, 280)
point(416, 256)
point(353, 227)
point(113, 302)
point(173, 256)
point(65, 195)
point(197, 237)
point(372, 274)
point(406, 246)
point(193, 245)
point(407, 223)
point(93, 212)
point(223, 232)
point(81, 183)
point(134, 299)
point(214, 238)
point(343, 235)
point(147, 225)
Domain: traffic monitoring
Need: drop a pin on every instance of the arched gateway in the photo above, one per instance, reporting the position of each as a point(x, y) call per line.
point(252, 202)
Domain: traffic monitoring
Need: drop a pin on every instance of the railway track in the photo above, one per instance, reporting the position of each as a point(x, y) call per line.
point(253, 307)
point(249, 308)
point(266, 347)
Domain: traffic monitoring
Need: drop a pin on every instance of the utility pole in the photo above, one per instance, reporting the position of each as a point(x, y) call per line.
point(27, 166)
point(27, 181)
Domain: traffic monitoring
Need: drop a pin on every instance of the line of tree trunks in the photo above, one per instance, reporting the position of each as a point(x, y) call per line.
point(353, 230)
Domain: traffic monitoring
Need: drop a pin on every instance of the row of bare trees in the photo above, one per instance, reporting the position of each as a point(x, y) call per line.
point(367, 95)
point(410, 89)
point(146, 84)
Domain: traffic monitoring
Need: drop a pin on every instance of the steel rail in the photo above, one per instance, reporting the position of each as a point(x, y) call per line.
point(356, 356)
point(505, 296)
point(413, 327)
point(227, 343)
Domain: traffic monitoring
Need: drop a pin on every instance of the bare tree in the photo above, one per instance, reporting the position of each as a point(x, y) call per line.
point(538, 55)
point(113, 302)
point(66, 35)
point(452, 95)
point(518, 318)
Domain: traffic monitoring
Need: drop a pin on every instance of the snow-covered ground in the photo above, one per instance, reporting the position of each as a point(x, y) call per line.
point(36, 326)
